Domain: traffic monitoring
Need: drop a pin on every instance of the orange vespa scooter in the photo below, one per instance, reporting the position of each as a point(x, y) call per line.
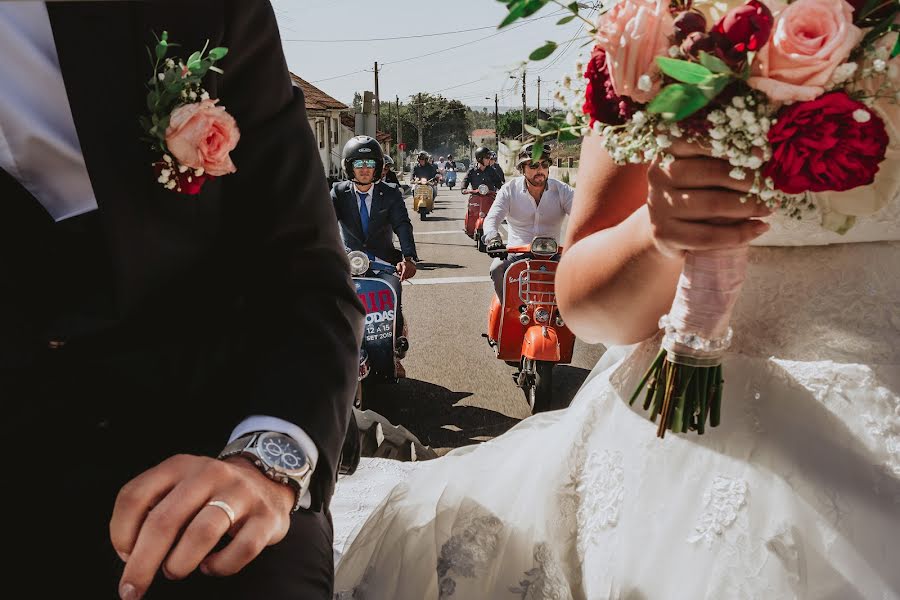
point(525, 328)
point(479, 204)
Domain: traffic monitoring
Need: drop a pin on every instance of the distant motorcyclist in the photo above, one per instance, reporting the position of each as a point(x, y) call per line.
point(532, 204)
point(482, 173)
point(441, 170)
point(425, 168)
point(496, 166)
point(450, 165)
point(388, 176)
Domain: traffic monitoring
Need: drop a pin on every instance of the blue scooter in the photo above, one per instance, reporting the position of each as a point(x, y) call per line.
point(450, 178)
point(380, 343)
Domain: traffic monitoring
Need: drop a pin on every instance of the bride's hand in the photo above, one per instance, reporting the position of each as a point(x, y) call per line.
point(695, 205)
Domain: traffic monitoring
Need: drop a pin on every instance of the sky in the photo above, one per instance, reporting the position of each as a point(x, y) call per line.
point(469, 66)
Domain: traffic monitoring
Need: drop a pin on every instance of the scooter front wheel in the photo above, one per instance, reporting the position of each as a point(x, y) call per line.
point(539, 391)
point(479, 241)
point(422, 213)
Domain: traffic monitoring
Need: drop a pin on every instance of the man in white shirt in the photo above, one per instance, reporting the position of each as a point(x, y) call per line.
point(532, 204)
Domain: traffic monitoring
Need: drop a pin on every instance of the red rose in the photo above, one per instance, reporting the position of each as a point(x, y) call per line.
point(746, 27)
point(832, 143)
point(600, 99)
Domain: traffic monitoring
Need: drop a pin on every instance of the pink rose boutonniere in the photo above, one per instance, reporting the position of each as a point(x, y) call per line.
point(193, 134)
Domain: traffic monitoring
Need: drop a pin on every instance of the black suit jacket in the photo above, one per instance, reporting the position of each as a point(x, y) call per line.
point(388, 216)
point(254, 260)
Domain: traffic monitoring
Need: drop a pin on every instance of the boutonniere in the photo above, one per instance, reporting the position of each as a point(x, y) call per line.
point(192, 134)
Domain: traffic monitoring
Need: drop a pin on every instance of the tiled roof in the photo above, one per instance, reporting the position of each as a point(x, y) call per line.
point(483, 133)
point(316, 99)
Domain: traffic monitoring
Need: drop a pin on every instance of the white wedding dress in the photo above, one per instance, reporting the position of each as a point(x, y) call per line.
point(795, 495)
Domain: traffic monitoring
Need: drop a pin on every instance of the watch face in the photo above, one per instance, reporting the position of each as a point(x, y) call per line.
point(283, 453)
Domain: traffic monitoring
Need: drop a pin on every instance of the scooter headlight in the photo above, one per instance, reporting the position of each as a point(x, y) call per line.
point(544, 245)
point(541, 315)
point(483, 189)
point(524, 319)
point(559, 320)
point(359, 263)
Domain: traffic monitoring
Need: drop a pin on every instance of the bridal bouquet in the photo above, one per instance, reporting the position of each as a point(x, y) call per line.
point(787, 92)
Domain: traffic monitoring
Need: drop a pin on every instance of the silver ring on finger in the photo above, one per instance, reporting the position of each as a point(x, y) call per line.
point(226, 508)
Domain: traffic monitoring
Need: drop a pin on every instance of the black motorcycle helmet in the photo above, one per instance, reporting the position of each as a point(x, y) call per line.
point(423, 156)
point(388, 161)
point(482, 153)
point(362, 147)
point(526, 153)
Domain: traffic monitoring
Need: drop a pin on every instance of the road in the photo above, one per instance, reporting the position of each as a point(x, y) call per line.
point(456, 392)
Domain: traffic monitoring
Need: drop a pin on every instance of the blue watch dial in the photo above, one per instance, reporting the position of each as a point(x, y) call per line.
point(282, 452)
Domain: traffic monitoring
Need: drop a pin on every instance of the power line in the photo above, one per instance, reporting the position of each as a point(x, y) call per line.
point(389, 39)
point(339, 76)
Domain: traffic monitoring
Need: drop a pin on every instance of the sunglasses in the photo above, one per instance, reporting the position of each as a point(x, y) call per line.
point(544, 164)
point(364, 164)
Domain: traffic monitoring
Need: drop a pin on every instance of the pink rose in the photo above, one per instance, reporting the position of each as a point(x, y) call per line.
point(811, 38)
point(200, 135)
point(633, 33)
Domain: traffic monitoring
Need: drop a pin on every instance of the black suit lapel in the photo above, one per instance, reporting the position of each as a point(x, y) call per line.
point(104, 72)
point(378, 208)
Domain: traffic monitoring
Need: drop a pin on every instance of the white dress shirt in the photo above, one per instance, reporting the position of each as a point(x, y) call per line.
point(39, 145)
point(368, 193)
point(525, 218)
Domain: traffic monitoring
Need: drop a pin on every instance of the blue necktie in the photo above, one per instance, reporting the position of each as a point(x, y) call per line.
point(364, 213)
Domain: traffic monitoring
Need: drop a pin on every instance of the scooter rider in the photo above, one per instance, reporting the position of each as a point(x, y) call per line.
point(369, 212)
point(532, 204)
point(481, 173)
point(495, 166)
point(450, 165)
point(425, 168)
point(388, 175)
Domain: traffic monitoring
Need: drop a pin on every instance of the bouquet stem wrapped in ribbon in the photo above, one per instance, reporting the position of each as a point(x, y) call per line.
point(684, 383)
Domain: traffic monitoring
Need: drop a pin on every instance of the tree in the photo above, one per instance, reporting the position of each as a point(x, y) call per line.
point(445, 123)
point(511, 123)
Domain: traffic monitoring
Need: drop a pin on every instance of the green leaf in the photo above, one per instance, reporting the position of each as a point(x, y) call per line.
point(565, 20)
point(896, 49)
point(218, 53)
point(545, 125)
point(566, 135)
point(514, 13)
point(574, 7)
point(538, 150)
point(532, 129)
point(193, 60)
point(543, 52)
point(677, 101)
point(713, 85)
point(715, 64)
point(161, 49)
point(682, 70)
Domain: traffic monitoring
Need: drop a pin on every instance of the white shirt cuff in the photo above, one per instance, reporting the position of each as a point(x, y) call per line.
point(266, 423)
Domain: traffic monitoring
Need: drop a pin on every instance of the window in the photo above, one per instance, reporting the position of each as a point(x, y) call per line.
point(320, 133)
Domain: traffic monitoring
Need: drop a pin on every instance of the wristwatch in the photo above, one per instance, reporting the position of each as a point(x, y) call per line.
point(279, 456)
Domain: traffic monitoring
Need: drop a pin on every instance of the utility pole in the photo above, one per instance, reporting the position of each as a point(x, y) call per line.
point(538, 114)
point(399, 138)
point(524, 109)
point(497, 119)
point(419, 121)
point(377, 99)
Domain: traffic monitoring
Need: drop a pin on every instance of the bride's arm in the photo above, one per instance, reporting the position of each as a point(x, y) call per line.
point(612, 283)
point(628, 230)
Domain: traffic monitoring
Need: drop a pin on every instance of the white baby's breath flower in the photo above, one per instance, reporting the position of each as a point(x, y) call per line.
point(759, 142)
point(879, 65)
point(607, 131)
point(635, 159)
point(649, 154)
point(881, 53)
point(717, 133)
point(753, 128)
point(666, 161)
point(663, 141)
point(164, 175)
point(737, 173)
point(182, 169)
point(204, 95)
point(861, 116)
point(767, 194)
point(748, 116)
point(716, 117)
point(579, 67)
point(167, 158)
point(171, 184)
point(754, 162)
point(570, 118)
point(170, 63)
point(645, 84)
point(732, 113)
point(585, 131)
point(738, 102)
point(567, 82)
point(199, 171)
point(674, 51)
point(639, 117)
point(718, 147)
point(193, 95)
point(161, 76)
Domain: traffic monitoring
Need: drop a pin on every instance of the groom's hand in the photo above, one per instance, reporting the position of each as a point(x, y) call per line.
point(162, 519)
point(694, 204)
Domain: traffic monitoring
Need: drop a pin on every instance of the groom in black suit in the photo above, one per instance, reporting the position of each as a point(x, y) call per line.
point(141, 328)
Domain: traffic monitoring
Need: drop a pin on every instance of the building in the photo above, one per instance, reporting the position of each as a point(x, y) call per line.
point(485, 137)
point(324, 114)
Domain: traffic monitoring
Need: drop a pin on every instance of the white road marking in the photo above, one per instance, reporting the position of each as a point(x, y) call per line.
point(447, 280)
